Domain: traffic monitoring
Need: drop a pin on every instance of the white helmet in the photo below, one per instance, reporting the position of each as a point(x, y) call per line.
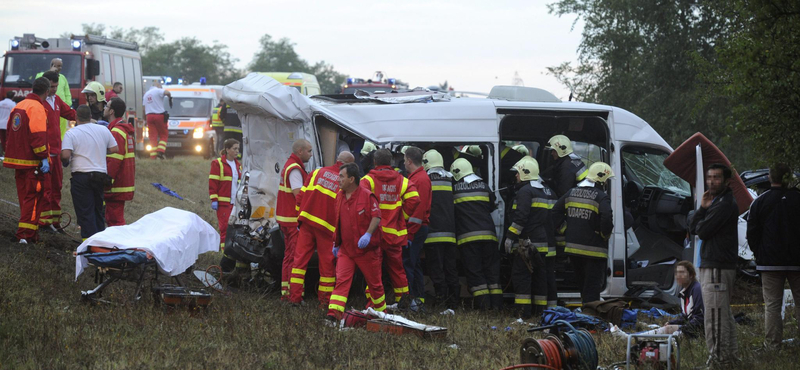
point(561, 145)
point(600, 172)
point(473, 150)
point(461, 168)
point(432, 159)
point(522, 149)
point(368, 148)
point(528, 169)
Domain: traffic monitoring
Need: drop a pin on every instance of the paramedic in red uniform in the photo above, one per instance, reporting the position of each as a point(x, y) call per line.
point(397, 196)
point(417, 226)
point(56, 109)
point(27, 154)
point(317, 217)
point(121, 166)
point(293, 176)
point(357, 238)
point(223, 181)
point(154, 110)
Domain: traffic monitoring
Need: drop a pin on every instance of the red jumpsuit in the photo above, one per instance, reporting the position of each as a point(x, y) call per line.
point(398, 197)
point(26, 146)
point(158, 134)
point(51, 187)
point(122, 168)
point(286, 212)
point(219, 189)
point(317, 217)
point(354, 215)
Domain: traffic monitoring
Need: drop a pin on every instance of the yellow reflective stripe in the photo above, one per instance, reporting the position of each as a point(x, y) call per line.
point(441, 239)
point(585, 253)
point(297, 281)
point(391, 206)
point(120, 132)
point(323, 288)
point(583, 205)
point(441, 188)
point(401, 290)
point(582, 175)
point(40, 149)
point(542, 205)
point(514, 230)
point(335, 307)
point(322, 190)
point(495, 291)
point(115, 156)
point(298, 271)
point(226, 178)
point(480, 292)
point(394, 231)
point(231, 129)
point(471, 199)
point(404, 187)
point(522, 301)
point(411, 194)
point(371, 183)
point(323, 279)
point(339, 298)
point(540, 303)
point(130, 155)
point(213, 177)
point(318, 220)
point(213, 196)
point(224, 199)
point(286, 219)
point(49, 213)
point(23, 225)
point(379, 300)
point(121, 189)
point(284, 189)
point(476, 238)
point(406, 216)
point(21, 162)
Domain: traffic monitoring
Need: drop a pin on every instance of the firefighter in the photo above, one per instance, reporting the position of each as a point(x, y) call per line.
point(28, 155)
point(531, 241)
point(585, 212)
point(316, 220)
point(157, 117)
point(367, 154)
point(397, 196)
point(357, 217)
point(473, 205)
point(121, 166)
point(231, 122)
point(96, 99)
point(568, 169)
point(417, 226)
point(440, 243)
point(56, 109)
point(222, 191)
point(218, 126)
point(56, 64)
point(293, 176)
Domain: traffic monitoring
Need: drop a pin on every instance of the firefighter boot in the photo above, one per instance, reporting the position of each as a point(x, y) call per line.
point(453, 296)
point(496, 302)
point(481, 302)
point(524, 311)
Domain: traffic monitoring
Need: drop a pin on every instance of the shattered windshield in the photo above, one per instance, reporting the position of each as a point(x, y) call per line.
point(648, 169)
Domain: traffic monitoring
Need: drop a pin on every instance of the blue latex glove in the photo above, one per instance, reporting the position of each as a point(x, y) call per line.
point(335, 251)
point(364, 241)
point(45, 166)
point(102, 123)
point(214, 205)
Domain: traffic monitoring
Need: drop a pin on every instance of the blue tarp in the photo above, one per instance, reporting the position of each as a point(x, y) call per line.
point(166, 190)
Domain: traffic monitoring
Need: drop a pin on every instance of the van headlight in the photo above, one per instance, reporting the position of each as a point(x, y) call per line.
point(198, 133)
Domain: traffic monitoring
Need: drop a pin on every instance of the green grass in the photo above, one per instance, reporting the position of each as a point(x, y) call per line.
point(44, 324)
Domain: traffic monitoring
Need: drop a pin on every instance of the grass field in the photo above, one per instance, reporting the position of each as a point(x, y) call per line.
point(44, 324)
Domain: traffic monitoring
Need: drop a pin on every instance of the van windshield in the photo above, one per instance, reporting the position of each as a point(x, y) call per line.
point(188, 107)
point(648, 168)
point(21, 69)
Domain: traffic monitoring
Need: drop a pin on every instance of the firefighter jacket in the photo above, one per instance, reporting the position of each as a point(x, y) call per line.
point(287, 208)
point(508, 158)
point(216, 121)
point(773, 232)
point(442, 226)
point(398, 198)
point(531, 218)
point(718, 228)
point(317, 198)
point(565, 173)
point(54, 115)
point(587, 211)
point(473, 204)
point(422, 213)
point(26, 134)
point(230, 119)
point(121, 166)
point(220, 177)
point(359, 221)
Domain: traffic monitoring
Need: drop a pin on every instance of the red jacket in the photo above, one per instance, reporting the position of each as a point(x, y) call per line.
point(359, 218)
point(422, 213)
point(287, 208)
point(62, 110)
point(121, 166)
point(26, 134)
point(220, 178)
point(317, 198)
point(398, 198)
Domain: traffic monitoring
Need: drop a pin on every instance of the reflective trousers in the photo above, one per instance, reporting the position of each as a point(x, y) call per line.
point(223, 214)
point(115, 212)
point(534, 289)
point(289, 242)
point(441, 260)
point(393, 256)
point(51, 197)
point(589, 274)
point(370, 266)
point(158, 134)
point(720, 327)
point(29, 192)
point(413, 265)
point(309, 239)
point(482, 267)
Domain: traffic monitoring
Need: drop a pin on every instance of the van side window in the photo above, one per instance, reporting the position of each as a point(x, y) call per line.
point(107, 68)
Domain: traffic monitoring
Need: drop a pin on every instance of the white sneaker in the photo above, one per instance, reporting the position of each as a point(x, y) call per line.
point(23, 241)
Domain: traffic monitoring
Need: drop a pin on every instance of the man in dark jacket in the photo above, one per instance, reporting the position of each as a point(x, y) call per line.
point(774, 237)
point(715, 222)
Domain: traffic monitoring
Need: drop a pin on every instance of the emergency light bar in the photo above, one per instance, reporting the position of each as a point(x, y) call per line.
point(14, 44)
point(76, 45)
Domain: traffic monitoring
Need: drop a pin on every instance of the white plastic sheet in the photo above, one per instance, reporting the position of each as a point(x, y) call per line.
point(172, 236)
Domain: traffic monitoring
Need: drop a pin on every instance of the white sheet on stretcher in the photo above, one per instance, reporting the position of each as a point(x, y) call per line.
point(173, 237)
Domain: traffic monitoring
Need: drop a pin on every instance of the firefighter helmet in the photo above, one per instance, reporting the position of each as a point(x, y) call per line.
point(473, 150)
point(528, 169)
point(461, 168)
point(561, 145)
point(96, 88)
point(432, 159)
point(522, 149)
point(368, 148)
point(600, 172)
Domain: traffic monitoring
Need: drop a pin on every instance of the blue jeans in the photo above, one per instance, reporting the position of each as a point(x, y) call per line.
point(412, 265)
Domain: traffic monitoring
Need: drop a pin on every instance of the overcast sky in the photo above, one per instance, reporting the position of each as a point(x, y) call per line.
point(474, 45)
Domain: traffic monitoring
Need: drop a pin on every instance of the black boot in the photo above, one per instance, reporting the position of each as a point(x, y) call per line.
point(497, 302)
point(481, 302)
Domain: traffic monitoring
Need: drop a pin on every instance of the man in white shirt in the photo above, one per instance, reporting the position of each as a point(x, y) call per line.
point(6, 106)
point(85, 147)
point(156, 119)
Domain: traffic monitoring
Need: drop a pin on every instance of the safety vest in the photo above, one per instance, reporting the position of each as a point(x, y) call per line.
point(587, 211)
point(231, 120)
point(531, 217)
point(26, 134)
point(421, 215)
point(397, 197)
point(287, 208)
point(121, 166)
point(215, 120)
point(473, 205)
point(220, 179)
point(442, 224)
point(317, 198)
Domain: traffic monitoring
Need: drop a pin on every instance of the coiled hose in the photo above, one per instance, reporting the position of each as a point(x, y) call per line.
point(574, 349)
